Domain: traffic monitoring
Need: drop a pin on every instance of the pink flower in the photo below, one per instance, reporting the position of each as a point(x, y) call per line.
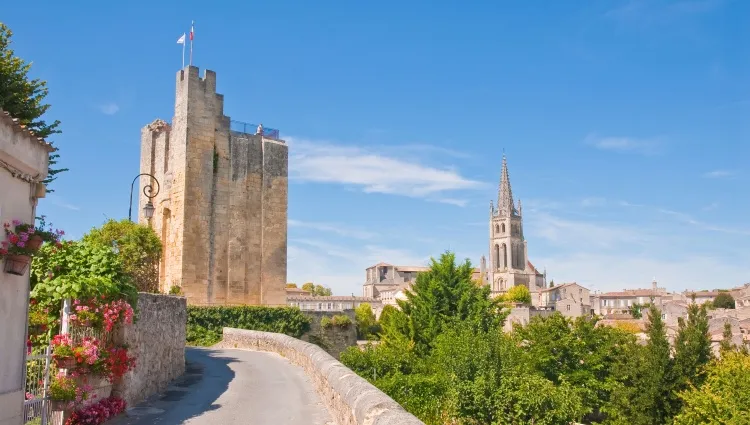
point(21, 244)
point(16, 222)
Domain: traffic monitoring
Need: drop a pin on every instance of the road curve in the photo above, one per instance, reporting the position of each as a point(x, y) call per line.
point(226, 387)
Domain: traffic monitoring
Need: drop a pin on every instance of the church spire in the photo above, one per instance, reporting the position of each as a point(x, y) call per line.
point(505, 204)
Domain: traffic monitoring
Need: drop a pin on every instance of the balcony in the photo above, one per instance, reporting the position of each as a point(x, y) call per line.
point(247, 128)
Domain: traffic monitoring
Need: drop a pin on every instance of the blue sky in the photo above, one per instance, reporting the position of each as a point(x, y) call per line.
point(624, 122)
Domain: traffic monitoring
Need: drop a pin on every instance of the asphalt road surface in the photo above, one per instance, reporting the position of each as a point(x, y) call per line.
point(226, 387)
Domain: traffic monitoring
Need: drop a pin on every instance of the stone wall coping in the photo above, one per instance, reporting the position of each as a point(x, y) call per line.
point(351, 399)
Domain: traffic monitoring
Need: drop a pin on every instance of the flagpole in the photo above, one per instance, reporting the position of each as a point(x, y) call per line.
point(183, 52)
point(191, 42)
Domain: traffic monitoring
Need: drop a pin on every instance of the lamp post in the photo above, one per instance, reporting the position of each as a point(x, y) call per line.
point(148, 190)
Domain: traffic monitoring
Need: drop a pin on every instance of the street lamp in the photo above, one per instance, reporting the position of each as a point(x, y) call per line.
point(148, 190)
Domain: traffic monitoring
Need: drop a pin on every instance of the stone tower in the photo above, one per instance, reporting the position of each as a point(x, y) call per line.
point(221, 212)
point(508, 259)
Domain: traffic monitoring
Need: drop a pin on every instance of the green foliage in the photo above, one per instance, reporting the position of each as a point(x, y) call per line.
point(518, 294)
point(317, 290)
point(445, 358)
point(442, 295)
point(726, 345)
point(642, 394)
point(79, 270)
point(205, 324)
point(724, 300)
point(24, 97)
point(636, 310)
point(724, 398)
point(692, 350)
point(341, 320)
point(138, 247)
point(367, 326)
point(175, 290)
point(326, 322)
point(291, 285)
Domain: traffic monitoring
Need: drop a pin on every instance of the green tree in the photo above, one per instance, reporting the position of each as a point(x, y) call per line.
point(518, 294)
point(367, 326)
point(444, 294)
point(726, 345)
point(138, 247)
point(23, 97)
point(291, 285)
point(724, 398)
point(577, 352)
point(692, 351)
point(643, 391)
point(724, 300)
point(317, 290)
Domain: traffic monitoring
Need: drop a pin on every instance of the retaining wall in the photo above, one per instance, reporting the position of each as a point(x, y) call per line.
point(335, 339)
point(157, 340)
point(350, 399)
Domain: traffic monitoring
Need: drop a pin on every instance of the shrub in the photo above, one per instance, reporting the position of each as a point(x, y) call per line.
point(341, 321)
point(204, 324)
point(326, 322)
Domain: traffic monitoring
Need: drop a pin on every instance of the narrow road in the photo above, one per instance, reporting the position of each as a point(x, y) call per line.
point(226, 386)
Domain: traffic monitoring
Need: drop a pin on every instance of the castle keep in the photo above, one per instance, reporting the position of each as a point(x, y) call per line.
point(221, 211)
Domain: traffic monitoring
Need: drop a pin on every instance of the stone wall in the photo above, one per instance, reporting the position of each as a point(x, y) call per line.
point(222, 209)
point(335, 339)
point(350, 399)
point(157, 340)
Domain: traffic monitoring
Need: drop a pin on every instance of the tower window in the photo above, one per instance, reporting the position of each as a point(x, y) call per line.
point(497, 229)
point(502, 229)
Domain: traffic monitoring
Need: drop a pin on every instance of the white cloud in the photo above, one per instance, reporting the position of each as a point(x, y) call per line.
point(374, 172)
point(624, 144)
point(109, 108)
point(57, 201)
point(451, 201)
point(717, 174)
point(339, 229)
point(585, 234)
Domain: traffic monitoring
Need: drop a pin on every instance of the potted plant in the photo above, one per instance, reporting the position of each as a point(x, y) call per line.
point(15, 251)
point(65, 393)
point(62, 352)
point(86, 315)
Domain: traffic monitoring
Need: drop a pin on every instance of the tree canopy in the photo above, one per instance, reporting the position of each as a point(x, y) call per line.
point(24, 97)
point(317, 290)
point(138, 247)
point(724, 300)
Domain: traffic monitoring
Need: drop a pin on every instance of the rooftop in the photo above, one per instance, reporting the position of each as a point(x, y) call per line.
point(17, 126)
point(247, 128)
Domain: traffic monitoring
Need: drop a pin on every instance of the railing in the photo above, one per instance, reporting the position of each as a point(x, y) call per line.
point(36, 405)
point(247, 128)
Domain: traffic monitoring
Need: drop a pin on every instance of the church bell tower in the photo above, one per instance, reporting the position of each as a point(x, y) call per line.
point(508, 259)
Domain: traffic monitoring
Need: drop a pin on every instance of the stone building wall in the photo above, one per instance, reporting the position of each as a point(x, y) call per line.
point(335, 339)
point(222, 209)
point(157, 340)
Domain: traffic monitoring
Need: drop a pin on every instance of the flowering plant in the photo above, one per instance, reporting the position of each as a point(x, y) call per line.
point(98, 413)
point(86, 315)
point(67, 388)
point(17, 239)
point(46, 231)
point(118, 311)
point(117, 363)
point(85, 354)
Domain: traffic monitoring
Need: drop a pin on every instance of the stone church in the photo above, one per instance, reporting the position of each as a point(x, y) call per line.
point(221, 207)
point(509, 265)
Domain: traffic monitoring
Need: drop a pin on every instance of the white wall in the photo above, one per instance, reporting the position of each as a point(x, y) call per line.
point(22, 154)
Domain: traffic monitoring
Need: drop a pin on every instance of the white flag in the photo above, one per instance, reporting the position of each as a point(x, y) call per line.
point(181, 40)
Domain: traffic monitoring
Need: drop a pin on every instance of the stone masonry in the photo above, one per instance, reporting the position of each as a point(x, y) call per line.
point(350, 399)
point(157, 340)
point(221, 211)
